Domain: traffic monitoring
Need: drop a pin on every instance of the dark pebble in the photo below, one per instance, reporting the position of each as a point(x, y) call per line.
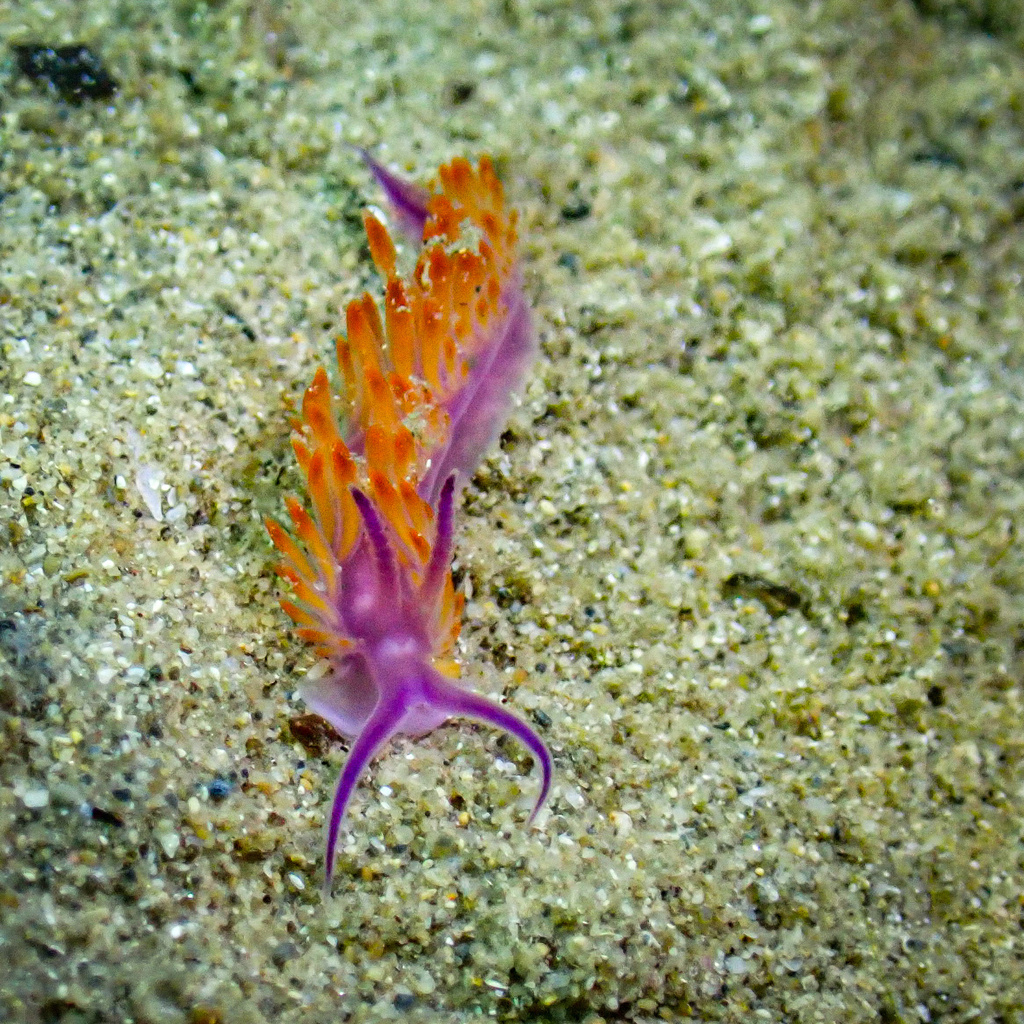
point(105, 817)
point(74, 72)
point(219, 789)
point(283, 952)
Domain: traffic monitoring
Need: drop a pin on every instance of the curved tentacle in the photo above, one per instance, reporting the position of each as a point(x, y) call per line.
point(457, 701)
point(379, 728)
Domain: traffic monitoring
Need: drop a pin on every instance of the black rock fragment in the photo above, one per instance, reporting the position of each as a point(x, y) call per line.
point(776, 598)
point(74, 72)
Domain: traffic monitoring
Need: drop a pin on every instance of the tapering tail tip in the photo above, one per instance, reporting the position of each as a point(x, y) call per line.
point(407, 200)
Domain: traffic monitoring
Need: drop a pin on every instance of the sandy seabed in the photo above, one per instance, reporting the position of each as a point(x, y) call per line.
point(748, 555)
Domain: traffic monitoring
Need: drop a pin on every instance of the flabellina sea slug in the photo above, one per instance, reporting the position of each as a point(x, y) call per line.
point(426, 389)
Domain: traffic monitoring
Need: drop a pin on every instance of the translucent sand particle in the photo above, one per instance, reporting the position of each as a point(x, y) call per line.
point(35, 798)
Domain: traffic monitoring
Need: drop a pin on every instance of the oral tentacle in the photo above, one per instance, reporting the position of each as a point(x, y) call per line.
point(457, 701)
point(379, 728)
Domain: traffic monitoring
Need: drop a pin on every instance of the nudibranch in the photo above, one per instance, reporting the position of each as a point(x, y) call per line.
point(426, 389)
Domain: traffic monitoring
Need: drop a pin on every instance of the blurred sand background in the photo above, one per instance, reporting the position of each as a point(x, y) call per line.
point(748, 555)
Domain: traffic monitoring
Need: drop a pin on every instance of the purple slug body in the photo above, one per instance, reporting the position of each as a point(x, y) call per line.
point(372, 583)
point(385, 684)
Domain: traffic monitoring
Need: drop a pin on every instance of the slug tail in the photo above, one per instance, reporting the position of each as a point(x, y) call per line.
point(409, 201)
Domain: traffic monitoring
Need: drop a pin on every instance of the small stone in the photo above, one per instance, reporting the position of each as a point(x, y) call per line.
point(32, 379)
point(283, 952)
point(423, 983)
point(622, 821)
point(36, 798)
point(736, 965)
point(696, 542)
point(169, 843)
point(219, 789)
